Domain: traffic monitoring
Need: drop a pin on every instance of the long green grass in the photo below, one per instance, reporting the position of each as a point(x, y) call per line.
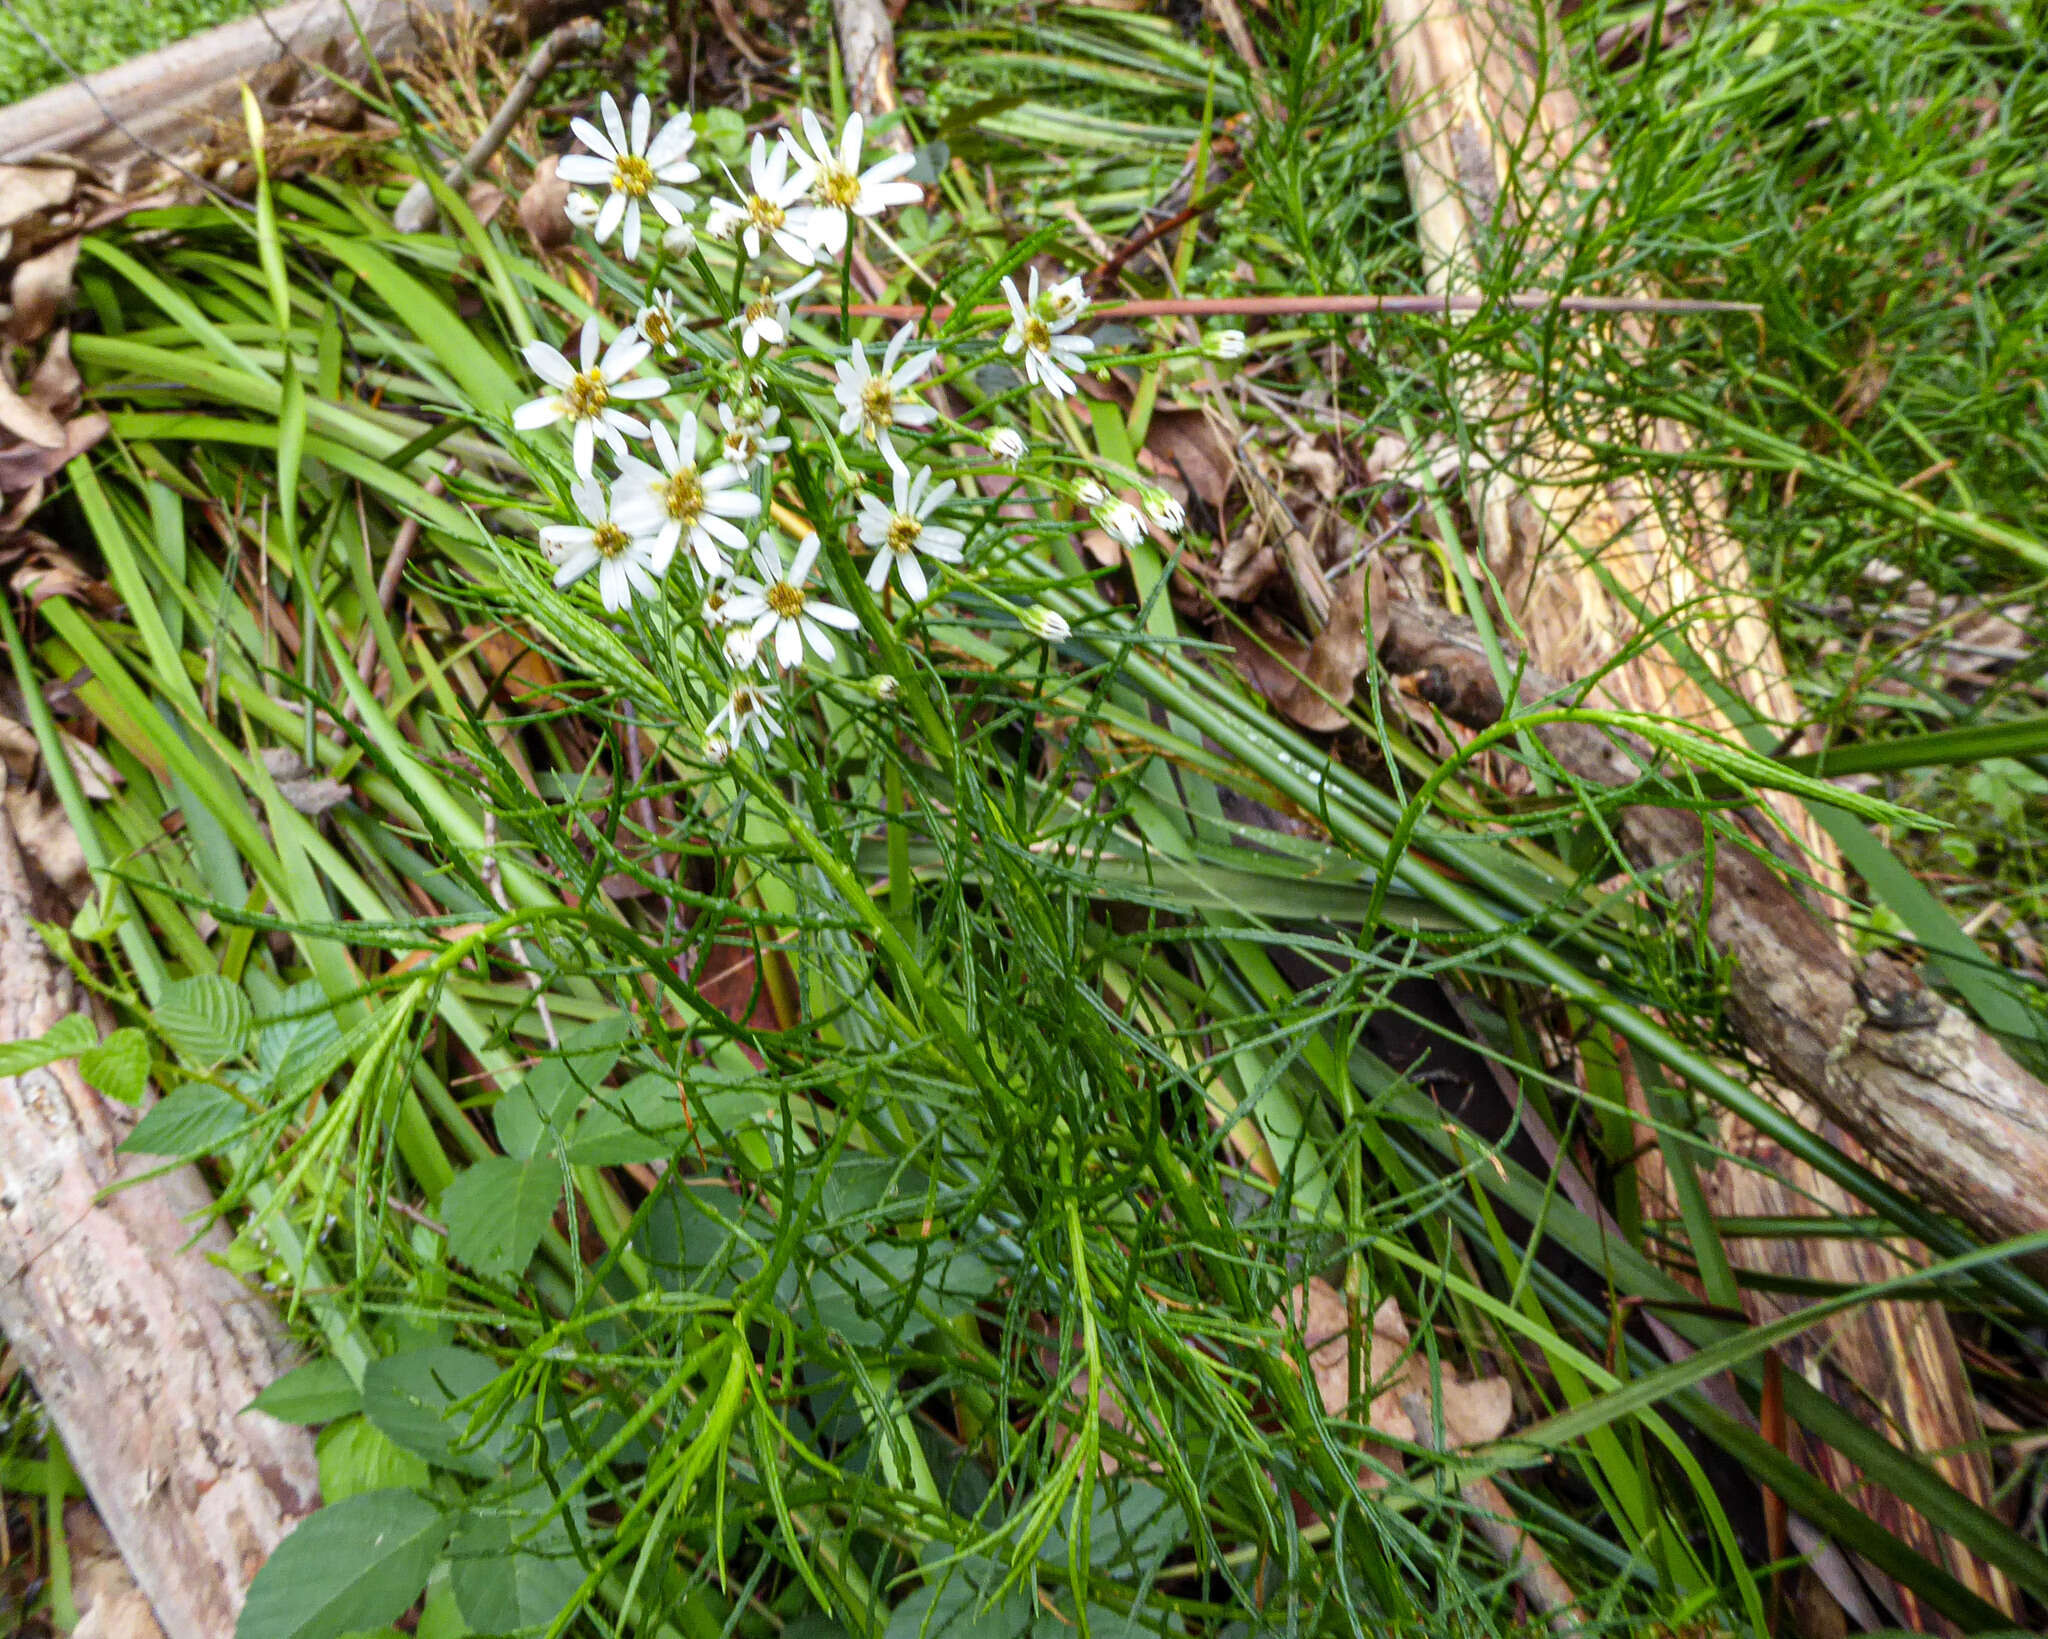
point(873, 1200)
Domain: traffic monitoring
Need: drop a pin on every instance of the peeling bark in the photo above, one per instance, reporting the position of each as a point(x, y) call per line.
point(1928, 1093)
point(143, 1350)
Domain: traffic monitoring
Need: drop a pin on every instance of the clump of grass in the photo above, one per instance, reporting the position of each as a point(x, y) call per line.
point(867, 1196)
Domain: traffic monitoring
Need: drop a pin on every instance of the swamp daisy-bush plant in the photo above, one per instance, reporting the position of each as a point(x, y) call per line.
point(795, 1098)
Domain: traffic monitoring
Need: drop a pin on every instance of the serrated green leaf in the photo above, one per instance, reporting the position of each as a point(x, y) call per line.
point(356, 1456)
point(119, 1066)
point(498, 1210)
point(353, 1565)
point(294, 1034)
point(194, 1120)
point(321, 1391)
point(548, 1097)
point(205, 1018)
point(641, 1121)
point(502, 1590)
point(408, 1396)
point(66, 1039)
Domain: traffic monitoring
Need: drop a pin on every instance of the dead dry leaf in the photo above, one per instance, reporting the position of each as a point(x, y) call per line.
point(1321, 468)
point(27, 464)
point(42, 286)
point(1312, 683)
point(1188, 445)
point(29, 421)
point(544, 208)
point(309, 793)
point(56, 385)
point(27, 189)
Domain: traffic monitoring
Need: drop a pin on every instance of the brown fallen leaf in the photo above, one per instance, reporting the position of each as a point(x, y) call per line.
point(42, 285)
point(28, 421)
point(26, 190)
point(56, 385)
point(1187, 444)
point(44, 570)
point(310, 793)
point(1312, 683)
point(28, 463)
point(544, 208)
point(1321, 468)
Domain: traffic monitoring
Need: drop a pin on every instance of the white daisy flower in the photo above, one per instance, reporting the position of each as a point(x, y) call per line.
point(622, 556)
point(1051, 357)
point(638, 172)
point(748, 710)
point(1045, 623)
point(1062, 304)
point(1089, 493)
point(1224, 344)
point(1123, 522)
point(584, 397)
point(779, 604)
point(676, 502)
point(724, 220)
point(871, 402)
point(657, 325)
point(769, 210)
point(741, 648)
point(901, 533)
point(1163, 509)
point(749, 432)
point(833, 178)
point(765, 320)
point(717, 750)
point(1007, 445)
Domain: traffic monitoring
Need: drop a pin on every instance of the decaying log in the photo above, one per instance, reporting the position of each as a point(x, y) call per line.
point(1501, 161)
point(867, 47)
point(143, 1350)
point(174, 99)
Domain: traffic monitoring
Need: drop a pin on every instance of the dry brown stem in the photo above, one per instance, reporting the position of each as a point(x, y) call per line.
point(1497, 153)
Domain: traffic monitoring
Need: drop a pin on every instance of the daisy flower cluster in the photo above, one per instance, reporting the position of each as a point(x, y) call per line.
point(680, 423)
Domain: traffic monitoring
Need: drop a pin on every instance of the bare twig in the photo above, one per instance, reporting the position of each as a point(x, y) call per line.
point(416, 211)
point(1280, 307)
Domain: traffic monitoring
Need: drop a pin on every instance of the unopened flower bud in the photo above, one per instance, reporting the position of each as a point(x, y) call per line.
point(581, 210)
point(1123, 521)
point(1224, 344)
point(1045, 623)
point(717, 750)
point(885, 687)
point(1007, 445)
point(1163, 509)
point(742, 648)
point(1090, 493)
point(680, 240)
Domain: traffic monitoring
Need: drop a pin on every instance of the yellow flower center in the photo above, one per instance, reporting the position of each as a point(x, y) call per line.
point(656, 327)
point(739, 447)
point(836, 185)
point(878, 404)
point(785, 600)
point(1037, 334)
point(632, 176)
point(744, 703)
point(586, 395)
point(764, 214)
point(609, 540)
point(684, 496)
point(903, 533)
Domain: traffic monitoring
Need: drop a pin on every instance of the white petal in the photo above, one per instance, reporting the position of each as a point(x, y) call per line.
point(585, 446)
point(542, 412)
point(671, 142)
point(832, 615)
point(640, 387)
point(913, 578)
point(575, 567)
point(806, 556)
point(643, 122)
point(609, 217)
point(630, 243)
point(789, 643)
point(585, 169)
point(597, 142)
point(608, 106)
point(878, 571)
point(548, 363)
point(850, 141)
point(818, 639)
